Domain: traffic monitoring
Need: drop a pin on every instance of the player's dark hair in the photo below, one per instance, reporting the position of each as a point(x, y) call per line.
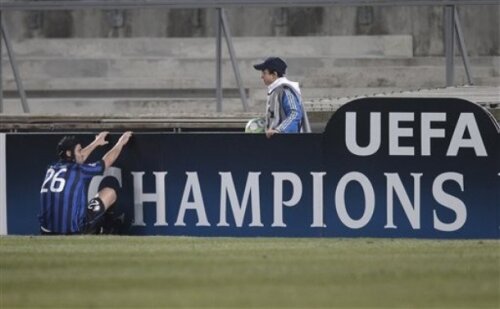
point(67, 143)
point(271, 71)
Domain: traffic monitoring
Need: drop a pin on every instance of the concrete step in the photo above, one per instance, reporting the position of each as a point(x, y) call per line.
point(146, 101)
point(369, 77)
point(69, 100)
point(491, 61)
point(97, 103)
point(319, 110)
point(487, 81)
point(486, 96)
point(318, 93)
point(130, 93)
point(187, 70)
point(125, 106)
point(64, 110)
point(245, 47)
point(314, 99)
point(184, 122)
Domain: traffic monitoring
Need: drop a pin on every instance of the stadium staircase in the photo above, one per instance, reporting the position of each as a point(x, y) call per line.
point(174, 78)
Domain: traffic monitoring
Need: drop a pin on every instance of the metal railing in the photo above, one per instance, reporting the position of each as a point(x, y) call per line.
point(452, 27)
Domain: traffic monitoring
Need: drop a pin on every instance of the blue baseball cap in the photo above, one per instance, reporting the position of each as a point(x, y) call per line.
point(272, 63)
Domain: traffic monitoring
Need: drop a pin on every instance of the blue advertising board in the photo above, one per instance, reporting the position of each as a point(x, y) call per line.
point(422, 168)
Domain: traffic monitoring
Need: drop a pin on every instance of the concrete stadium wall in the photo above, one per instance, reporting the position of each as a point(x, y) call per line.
point(480, 24)
point(164, 75)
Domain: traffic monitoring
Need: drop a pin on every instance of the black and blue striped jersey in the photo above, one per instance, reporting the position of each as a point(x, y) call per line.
point(63, 196)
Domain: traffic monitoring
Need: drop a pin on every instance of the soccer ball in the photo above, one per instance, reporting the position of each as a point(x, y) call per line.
point(256, 125)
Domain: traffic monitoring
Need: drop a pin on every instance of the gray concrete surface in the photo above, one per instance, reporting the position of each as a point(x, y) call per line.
point(481, 24)
point(142, 75)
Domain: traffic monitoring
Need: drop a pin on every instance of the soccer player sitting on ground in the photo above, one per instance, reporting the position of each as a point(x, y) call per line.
point(64, 208)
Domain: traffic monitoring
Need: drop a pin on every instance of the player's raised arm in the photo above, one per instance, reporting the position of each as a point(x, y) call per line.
point(100, 140)
point(111, 156)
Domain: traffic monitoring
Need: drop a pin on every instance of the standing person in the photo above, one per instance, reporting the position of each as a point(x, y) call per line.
point(64, 208)
point(284, 109)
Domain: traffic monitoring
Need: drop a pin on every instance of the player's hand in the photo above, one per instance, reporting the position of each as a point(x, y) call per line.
point(100, 138)
point(125, 137)
point(271, 132)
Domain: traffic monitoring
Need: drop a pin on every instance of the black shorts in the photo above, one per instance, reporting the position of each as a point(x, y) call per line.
point(94, 217)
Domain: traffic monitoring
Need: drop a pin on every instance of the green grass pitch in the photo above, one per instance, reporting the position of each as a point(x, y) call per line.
point(138, 272)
